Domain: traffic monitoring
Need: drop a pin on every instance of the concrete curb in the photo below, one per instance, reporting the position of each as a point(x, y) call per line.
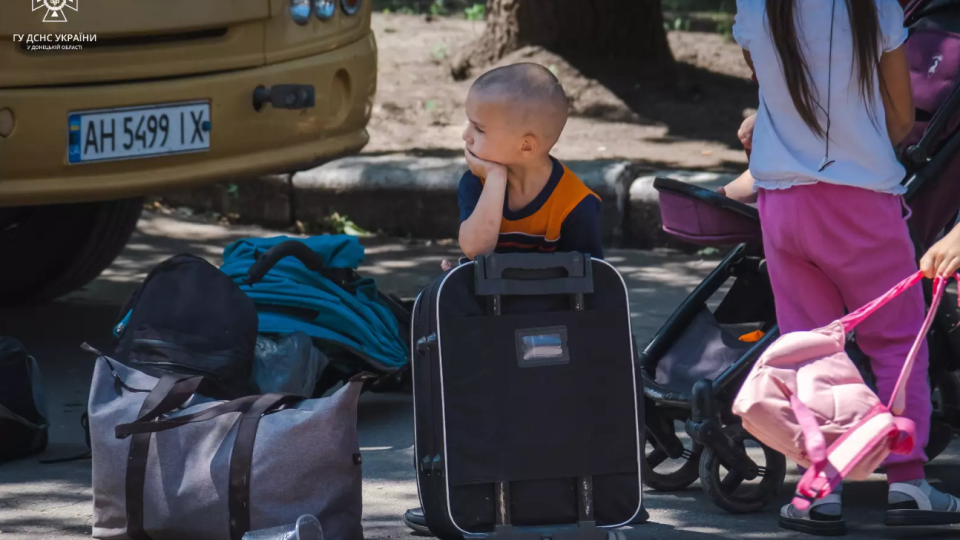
point(404, 195)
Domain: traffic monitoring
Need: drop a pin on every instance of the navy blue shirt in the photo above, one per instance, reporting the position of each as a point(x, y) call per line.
point(564, 216)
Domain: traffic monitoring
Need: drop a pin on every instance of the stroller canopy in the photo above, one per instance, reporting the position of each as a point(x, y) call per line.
point(291, 297)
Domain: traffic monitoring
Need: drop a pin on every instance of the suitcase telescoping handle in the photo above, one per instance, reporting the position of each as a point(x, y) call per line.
point(534, 274)
point(295, 248)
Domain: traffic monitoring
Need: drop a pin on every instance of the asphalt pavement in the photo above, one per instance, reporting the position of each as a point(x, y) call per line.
point(55, 501)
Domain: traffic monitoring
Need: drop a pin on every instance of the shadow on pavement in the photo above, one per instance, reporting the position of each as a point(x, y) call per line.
point(45, 501)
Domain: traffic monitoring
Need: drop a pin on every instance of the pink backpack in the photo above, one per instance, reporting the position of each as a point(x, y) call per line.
point(806, 399)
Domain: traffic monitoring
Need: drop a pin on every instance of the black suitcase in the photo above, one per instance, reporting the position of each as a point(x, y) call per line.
point(527, 417)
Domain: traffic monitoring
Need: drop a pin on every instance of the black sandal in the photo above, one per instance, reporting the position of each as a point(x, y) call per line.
point(813, 522)
point(918, 511)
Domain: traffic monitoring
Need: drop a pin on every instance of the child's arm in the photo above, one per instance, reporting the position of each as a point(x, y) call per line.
point(741, 189)
point(479, 232)
point(745, 133)
point(943, 259)
point(897, 95)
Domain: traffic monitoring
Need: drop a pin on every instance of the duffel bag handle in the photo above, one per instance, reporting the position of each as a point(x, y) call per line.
point(241, 405)
point(169, 393)
point(497, 274)
point(311, 259)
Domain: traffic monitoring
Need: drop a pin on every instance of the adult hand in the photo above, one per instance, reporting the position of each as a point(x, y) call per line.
point(445, 265)
point(943, 259)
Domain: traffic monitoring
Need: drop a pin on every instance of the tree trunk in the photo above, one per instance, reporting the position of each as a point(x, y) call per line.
point(626, 35)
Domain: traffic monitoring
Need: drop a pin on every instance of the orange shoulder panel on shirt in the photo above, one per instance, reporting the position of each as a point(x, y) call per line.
point(570, 192)
point(546, 222)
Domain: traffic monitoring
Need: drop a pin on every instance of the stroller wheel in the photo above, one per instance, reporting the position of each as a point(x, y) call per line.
point(616, 535)
point(731, 492)
point(661, 473)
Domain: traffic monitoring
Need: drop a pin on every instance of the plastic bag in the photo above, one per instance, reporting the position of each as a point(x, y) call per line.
point(290, 365)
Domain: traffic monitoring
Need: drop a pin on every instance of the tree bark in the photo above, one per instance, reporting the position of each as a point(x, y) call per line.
point(625, 35)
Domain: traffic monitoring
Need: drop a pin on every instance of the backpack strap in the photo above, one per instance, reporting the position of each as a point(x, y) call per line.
point(822, 478)
point(850, 321)
point(874, 429)
point(898, 401)
point(813, 441)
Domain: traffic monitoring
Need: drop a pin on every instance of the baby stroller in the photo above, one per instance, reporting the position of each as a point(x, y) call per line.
point(695, 364)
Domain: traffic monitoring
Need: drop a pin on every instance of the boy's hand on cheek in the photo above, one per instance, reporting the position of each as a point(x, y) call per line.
point(483, 168)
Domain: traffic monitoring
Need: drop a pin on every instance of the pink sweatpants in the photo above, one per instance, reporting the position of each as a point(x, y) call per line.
point(832, 247)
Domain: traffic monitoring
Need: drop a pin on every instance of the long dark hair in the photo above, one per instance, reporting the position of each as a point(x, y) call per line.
point(865, 27)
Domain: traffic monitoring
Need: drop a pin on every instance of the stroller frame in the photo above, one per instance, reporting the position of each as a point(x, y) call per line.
point(716, 433)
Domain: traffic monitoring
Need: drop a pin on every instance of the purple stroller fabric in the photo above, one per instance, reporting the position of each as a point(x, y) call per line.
point(934, 58)
point(702, 223)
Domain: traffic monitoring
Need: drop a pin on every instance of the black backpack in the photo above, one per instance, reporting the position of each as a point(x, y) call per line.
point(23, 423)
point(189, 318)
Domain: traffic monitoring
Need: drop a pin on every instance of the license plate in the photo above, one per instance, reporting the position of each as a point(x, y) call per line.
point(139, 132)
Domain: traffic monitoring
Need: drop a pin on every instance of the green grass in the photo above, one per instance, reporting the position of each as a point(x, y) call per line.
point(337, 224)
point(438, 8)
point(476, 12)
point(723, 6)
point(709, 22)
point(420, 7)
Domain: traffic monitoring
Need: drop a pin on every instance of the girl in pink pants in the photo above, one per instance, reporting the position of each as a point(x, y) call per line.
point(834, 100)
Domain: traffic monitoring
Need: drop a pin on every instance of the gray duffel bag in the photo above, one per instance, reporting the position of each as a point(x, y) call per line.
point(169, 463)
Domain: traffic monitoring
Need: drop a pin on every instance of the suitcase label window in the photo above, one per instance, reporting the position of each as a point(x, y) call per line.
point(542, 347)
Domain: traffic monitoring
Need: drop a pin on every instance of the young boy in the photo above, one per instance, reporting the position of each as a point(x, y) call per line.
point(516, 197)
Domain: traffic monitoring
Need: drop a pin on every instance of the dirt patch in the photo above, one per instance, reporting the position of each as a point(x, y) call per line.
point(419, 106)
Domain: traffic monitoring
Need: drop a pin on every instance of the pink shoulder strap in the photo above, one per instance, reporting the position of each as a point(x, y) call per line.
point(898, 400)
point(853, 319)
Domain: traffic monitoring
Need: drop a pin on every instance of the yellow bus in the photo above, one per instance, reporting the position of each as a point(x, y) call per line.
point(105, 101)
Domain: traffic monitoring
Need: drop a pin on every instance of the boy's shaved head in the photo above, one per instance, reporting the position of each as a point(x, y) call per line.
point(538, 105)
